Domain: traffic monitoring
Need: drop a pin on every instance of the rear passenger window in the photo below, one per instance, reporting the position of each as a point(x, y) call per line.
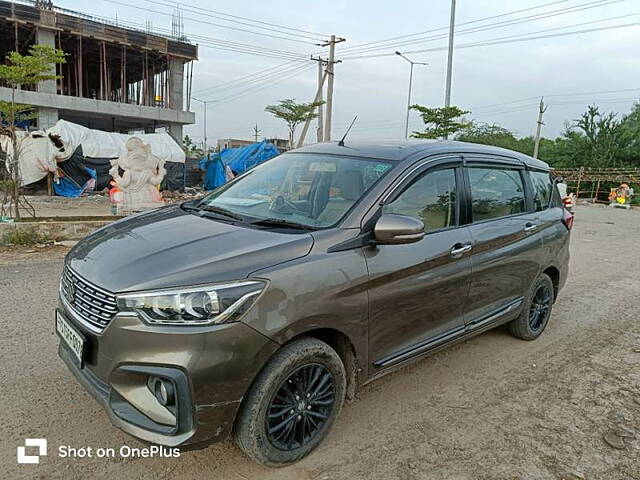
point(495, 192)
point(431, 198)
point(542, 190)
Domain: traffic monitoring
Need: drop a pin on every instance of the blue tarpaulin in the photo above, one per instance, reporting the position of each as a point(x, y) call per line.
point(66, 187)
point(214, 176)
point(239, 160)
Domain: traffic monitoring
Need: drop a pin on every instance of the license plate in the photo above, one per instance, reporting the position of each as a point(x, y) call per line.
point(71, 337)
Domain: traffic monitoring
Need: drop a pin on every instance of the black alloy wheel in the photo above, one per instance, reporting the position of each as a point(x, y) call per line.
point(300, 407)
point(540, 307)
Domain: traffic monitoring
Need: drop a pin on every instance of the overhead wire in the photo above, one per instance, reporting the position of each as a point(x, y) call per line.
point(205, 22)
point(245, 21)
point(503, 24)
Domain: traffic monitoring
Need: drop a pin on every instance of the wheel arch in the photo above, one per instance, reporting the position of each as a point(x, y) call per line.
point(554, 273)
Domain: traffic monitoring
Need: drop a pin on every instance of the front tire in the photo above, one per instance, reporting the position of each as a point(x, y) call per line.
point(292, 404)
point(536, 312)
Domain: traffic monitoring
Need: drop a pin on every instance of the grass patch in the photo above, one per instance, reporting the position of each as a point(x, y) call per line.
point(25, 237)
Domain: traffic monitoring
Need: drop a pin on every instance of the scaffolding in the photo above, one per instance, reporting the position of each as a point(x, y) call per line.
point(104, 61)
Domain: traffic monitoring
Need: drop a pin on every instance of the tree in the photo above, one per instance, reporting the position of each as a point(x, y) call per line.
point(440, 122)
point(190, 148)
point(630, 131)
point(596, 138)
point(293, 114)
point(17, 72)
point(489, 134)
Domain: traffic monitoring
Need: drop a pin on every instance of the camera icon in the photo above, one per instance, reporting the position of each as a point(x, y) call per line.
point(40, 443)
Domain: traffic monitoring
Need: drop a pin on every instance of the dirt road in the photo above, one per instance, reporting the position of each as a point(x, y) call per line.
point(491, 408)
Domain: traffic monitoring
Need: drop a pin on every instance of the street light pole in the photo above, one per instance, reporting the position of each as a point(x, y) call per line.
point(412, 63)
point(452, 24)
point(204, 102)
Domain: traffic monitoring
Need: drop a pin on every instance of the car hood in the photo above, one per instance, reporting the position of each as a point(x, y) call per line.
point(170, 247)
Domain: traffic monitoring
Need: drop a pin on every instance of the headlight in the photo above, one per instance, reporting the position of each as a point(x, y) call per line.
point(203, 305)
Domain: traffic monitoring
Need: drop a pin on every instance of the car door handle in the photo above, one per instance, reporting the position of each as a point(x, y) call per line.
point(530, 227)
point(459, 249)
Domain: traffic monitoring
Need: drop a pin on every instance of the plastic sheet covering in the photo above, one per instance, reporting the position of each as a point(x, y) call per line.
point(244, 158)
point(37, 155)
point(214, 171)
point(99, 144)
point(68, 187)
point(238, 160)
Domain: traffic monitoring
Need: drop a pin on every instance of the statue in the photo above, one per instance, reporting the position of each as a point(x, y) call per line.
point(137, 188)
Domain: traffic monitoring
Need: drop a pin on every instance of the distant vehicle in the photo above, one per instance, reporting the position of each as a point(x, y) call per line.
point(257, 309)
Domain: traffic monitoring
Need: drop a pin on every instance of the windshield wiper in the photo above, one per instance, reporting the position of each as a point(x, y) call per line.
point(279, 222)
point(224, 212)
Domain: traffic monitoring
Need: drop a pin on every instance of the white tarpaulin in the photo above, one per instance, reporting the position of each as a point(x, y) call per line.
point(37, 155)
point(99, 144)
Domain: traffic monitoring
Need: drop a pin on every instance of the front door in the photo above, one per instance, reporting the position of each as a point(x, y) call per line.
point(417, 291)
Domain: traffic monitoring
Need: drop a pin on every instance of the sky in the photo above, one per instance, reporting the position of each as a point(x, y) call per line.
point(499, 81)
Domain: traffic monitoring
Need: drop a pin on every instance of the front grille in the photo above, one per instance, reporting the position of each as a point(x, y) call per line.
point(92, 304)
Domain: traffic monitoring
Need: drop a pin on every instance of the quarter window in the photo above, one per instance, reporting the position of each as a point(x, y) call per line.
point(431, 198)
point(495, 193)
point(542, 190)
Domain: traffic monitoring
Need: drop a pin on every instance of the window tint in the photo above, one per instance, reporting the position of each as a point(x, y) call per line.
point(495, 193)
point(542, 190)
point(431, 198)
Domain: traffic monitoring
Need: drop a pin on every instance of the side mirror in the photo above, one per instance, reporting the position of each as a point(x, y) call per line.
point(395, 229)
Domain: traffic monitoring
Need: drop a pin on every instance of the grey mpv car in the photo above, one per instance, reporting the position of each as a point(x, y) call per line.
point(259, 308)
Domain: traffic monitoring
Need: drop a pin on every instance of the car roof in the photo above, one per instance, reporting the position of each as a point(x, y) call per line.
point(401, 150)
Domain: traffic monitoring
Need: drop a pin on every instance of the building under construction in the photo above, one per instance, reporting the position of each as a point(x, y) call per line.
point(115, 78)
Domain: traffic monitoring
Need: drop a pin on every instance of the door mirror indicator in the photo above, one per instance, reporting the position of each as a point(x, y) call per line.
point(392, 229)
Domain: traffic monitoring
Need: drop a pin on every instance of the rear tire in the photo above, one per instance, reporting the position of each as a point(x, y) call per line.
point(292, 404)
point(536, 312)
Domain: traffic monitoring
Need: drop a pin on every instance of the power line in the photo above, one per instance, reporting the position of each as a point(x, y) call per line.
point(555, 95)
point(235, 81)
point(226, 45)
point(501, 40)
point(237, 19)
point(358, 46)
point(259, 80)
point(259, 88)
point(498, 25)
point(149, 10)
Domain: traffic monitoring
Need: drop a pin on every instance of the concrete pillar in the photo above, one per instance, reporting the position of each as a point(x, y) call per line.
point(176, 84)
point(175, 130)
point(47, 117)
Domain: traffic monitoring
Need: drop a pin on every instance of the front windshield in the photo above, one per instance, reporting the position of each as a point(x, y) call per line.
point(313, 190)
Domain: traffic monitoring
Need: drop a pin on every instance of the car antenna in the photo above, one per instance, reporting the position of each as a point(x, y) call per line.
point(341, 142)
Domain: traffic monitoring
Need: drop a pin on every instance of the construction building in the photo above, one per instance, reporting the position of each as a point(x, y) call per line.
point(115, 78)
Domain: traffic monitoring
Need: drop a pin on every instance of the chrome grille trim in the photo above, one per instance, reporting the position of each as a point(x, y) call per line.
point(91, 304)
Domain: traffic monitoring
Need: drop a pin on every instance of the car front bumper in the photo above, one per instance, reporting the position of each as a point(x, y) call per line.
point(211, 368)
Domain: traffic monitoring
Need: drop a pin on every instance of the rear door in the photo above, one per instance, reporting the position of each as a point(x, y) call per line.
point(417, 291)
point(506, 243)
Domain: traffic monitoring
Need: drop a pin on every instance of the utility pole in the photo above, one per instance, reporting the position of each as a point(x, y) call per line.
point(305, 129)
point(452, 23)
point(330, 71)
point(543, 108)
point(406, 125)
point(321, 66)
point(256, 133)
point(204, 102)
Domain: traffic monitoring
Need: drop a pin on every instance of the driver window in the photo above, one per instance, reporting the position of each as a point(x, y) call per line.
point(430, 198)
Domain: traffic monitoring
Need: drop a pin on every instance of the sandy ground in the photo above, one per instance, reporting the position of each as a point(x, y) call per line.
point(93, 205)
point(492, 408)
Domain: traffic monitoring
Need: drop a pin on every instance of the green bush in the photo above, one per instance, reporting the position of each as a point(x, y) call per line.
point(25, 237)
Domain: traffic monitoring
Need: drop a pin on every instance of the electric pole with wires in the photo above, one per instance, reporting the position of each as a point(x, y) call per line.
point(321, 67)
point(256, 132)
point(543, 108)
point(330, 73)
